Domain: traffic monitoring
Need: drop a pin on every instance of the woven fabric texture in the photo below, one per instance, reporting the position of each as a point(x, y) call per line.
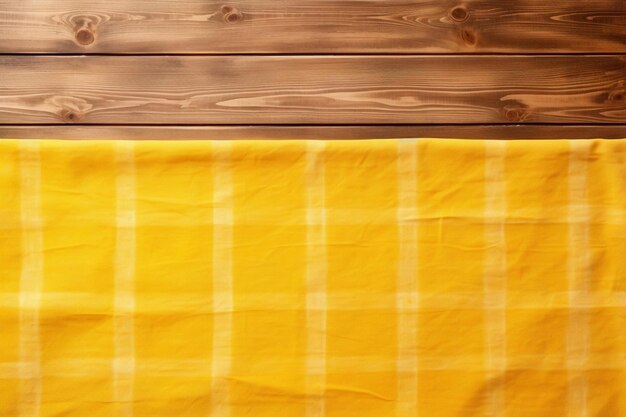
point(369, 278)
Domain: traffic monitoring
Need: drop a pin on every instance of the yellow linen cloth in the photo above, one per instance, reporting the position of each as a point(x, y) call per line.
point(430, 278)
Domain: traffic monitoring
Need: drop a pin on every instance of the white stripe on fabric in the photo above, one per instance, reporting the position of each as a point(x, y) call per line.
point(31, 280)
point(495, 275)
point(316, 275)
point(222, 277)
point(124, 292)
point(578, 279)
point(407, 295)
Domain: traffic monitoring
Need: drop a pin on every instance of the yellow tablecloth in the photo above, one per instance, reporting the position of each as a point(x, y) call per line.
point(428, 278)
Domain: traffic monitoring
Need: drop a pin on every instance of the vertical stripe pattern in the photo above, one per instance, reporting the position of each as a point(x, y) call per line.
point(124, 299)
point(402, 278)
point(578, 279)
point(407, 297)
point(316, 272)
point(495, 275)
point(31, 280)
point(222, 277)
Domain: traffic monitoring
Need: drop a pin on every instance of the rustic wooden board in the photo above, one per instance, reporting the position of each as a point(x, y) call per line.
point(312, 26)
point(312, 89)
point(312, 132)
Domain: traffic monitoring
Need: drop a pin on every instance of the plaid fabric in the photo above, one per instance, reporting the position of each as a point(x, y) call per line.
point(375, 278)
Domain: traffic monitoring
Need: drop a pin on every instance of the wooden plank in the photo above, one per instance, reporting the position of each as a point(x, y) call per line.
point(313, 132)
point(312, 89)
point(312, 26)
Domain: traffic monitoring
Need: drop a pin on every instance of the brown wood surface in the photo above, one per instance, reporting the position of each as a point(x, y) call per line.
point(312, 26)
point(312, 132)
point(485, 64)
point(312, 89)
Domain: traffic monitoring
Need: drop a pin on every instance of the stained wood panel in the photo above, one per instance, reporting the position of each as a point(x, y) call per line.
point(312, 132)
point(312, 26)
point(312, 89)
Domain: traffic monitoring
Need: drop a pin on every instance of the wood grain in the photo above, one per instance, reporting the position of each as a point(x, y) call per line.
point(312, 26)
point(311, 132)
point(312, 89)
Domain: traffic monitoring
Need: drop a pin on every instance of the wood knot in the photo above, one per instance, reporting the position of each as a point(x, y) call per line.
point(84, 30)
point(85, 37)
point(70, 116)
point(469, 36)
point(459, 14)
point(515, 113)
point(231, 14)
